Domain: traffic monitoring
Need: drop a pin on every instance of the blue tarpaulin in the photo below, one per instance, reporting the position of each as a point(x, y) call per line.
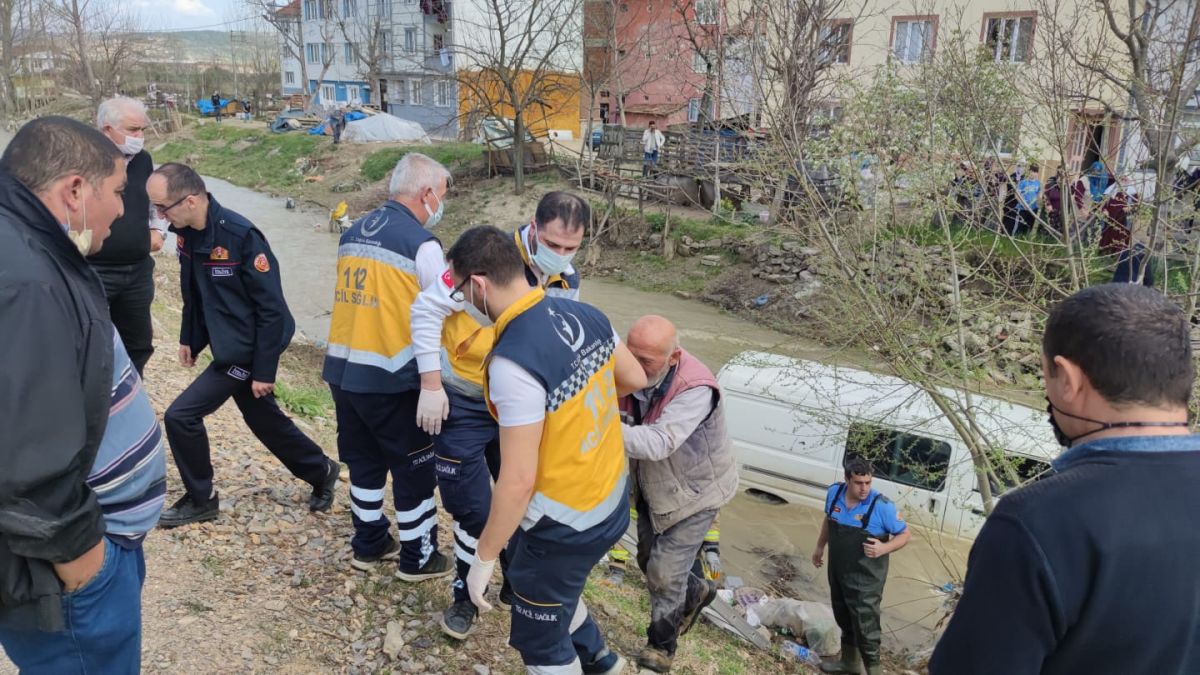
point(205, 105)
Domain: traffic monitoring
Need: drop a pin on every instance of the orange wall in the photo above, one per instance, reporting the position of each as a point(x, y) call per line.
point(560, 112)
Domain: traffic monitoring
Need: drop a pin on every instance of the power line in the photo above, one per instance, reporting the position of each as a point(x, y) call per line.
point(230, 22)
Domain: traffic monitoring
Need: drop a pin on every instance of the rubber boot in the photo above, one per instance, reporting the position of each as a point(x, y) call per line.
point(848, 663)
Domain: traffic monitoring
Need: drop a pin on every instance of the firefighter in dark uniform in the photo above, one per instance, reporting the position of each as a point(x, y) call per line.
point(862, 527)
point(232, 302)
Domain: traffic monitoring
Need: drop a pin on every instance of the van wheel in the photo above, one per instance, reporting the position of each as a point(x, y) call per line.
point(765, 497)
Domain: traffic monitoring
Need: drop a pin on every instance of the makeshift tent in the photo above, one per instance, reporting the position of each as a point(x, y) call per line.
point(228, 107)
point(384, 128)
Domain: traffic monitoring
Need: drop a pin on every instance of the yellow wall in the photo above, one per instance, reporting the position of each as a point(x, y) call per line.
point(560, 112)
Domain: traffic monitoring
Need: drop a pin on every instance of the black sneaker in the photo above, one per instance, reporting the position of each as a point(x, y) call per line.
point(458, 619)
point(185, 511)
point(322, 495)
point(505, 597)
point(369, 562)
point(438, 565)
point(692, 614)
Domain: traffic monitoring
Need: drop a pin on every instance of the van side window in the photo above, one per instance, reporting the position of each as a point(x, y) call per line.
point(900, 457)
point(1010, 472)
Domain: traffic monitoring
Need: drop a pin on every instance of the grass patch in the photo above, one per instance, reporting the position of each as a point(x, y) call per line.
point(455, 155)
point(304, 401)
point(928, 234)
point(214, 565)
point(248, 157)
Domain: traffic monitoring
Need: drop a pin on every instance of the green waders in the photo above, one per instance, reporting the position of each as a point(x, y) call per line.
point(856, 585)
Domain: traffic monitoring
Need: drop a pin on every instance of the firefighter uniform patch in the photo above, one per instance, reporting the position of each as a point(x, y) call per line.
point(261, 263)
point(219, 253)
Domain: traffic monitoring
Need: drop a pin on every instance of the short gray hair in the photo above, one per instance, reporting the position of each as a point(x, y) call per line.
point(112, 110)
point(415, 172)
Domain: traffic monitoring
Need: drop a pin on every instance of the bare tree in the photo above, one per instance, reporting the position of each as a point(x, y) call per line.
point(366, 30)
point(515, 55)
point(289, 22)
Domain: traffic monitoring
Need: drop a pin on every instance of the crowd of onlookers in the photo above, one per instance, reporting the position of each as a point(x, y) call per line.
point(1090, 207)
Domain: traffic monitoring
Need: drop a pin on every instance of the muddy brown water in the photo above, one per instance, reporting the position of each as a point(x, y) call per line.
point(761, 542)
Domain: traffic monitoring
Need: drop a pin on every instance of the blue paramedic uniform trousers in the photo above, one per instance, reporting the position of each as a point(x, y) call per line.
point(548, 566)
point(377, 435)
point(469, 436)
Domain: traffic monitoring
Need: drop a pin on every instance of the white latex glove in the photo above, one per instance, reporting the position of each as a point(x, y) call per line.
point(478, 579)
point(433, 407)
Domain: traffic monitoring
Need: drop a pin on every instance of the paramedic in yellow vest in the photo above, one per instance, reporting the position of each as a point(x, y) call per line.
point(384, 260)
point(553, 378)
point(450, 345)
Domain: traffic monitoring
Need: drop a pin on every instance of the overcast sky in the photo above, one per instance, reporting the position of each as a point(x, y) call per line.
point(190, 14)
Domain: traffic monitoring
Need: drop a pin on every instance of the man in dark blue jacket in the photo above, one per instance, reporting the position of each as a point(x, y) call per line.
point(1093, 569)
point(233, 303)
point(69, 595)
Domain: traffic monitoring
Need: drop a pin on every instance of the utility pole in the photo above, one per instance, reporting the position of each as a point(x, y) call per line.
point(233, 61)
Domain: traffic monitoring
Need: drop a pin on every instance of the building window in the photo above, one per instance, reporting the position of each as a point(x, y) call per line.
point(349, 8)
point(410, 40)
point(400, 92)
point(289, 77)
point(699, 64)
point(693, 110)
point(310, 10)
point(913, 38)
point(706, 12)
point(328, 93)
point(414, 92)
point(326, 57)
point(1009, 37)
point(385, 9)
point(439, 42)
point(1000, 136)
point(443, 94)
point(349, 48)
point(312, 53)
point(836, 39)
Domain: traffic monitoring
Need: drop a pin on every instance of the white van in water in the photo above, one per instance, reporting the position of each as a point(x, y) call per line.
point(794, 422)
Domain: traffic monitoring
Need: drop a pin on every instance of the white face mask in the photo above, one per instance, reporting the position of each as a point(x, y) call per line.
point(132, 145)
point(83, 238)
point(472, 311)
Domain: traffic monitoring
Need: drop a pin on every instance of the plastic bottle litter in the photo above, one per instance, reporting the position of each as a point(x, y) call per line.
point(800, 653)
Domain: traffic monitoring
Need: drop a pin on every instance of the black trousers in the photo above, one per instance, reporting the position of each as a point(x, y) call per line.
point(184, 421)
point(130, 291)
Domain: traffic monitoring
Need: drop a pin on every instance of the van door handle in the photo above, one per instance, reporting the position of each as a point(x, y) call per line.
point(933, 504)
point(978, 512)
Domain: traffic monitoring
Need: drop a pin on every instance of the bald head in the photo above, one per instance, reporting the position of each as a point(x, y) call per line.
point(655, 343)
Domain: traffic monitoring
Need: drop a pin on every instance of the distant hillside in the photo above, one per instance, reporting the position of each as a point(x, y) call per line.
point(202, 45)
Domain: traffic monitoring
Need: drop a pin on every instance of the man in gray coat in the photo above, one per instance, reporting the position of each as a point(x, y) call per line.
point(681, 461)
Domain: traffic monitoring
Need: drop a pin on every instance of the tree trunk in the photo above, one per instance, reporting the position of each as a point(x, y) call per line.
point(518, 150)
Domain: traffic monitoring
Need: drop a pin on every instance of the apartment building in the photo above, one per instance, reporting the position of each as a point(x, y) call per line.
point(407, 41)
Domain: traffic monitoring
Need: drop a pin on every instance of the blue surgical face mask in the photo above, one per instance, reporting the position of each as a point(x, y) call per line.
point(547, 260)
point(435, 217)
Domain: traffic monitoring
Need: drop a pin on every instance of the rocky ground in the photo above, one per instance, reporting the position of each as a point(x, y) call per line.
point(267, 589)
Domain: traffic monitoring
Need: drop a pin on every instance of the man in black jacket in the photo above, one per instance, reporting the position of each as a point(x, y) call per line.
point(232, 302)
point(124, 264)
point(60, 189)
point(1093, 569)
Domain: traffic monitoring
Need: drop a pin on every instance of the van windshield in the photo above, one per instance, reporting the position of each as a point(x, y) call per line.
point(899, 456)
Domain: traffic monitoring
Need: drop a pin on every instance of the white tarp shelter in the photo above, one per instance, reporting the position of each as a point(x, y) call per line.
point(385, 129)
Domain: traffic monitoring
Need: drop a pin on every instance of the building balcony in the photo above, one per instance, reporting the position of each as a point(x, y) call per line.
point(440, 62)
